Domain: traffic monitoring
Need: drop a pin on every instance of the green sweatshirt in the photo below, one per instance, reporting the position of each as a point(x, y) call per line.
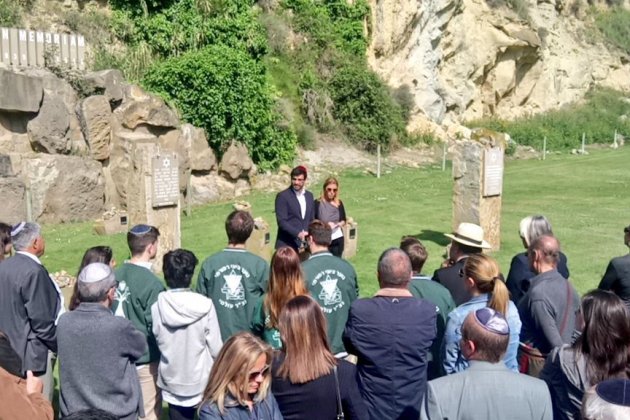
point(332, 282)
point(259, 327)
point(138, 290)
point(234, 279)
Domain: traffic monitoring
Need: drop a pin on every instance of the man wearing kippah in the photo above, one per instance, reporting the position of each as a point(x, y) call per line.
point(138, 290)
point(487, 389)
point(97, 351)
point(30, 304)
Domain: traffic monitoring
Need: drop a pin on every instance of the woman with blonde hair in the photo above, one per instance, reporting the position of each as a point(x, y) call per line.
point(286, 281)
point(238, 387)
point(482, 277)
point(308, 381)
point(329, 209)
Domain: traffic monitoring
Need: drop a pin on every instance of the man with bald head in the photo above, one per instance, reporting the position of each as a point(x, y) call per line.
point(391, 334)
point(480, 392)
point(548, 308)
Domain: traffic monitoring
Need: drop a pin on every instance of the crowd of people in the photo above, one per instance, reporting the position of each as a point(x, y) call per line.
point(291, 339)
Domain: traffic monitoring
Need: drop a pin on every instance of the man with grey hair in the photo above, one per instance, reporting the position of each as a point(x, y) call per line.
point(98, 350)
point(548, 308)
point(29, 304)
point(391, 334)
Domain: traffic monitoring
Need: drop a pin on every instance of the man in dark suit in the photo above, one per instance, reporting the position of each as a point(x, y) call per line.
point(294, 211)
point(30, 304)
point(466, 240)
point(617, 276)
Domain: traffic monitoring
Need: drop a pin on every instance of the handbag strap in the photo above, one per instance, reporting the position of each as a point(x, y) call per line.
point(339, 406)
point(566, 309)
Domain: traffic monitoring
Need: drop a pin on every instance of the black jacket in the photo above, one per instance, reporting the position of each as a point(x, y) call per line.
point(289, 217)
point(391, 337)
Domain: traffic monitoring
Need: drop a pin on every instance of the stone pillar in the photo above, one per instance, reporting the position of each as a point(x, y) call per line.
point(148, 196)
point(478, 182)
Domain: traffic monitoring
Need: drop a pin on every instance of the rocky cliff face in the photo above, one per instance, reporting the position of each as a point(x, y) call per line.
point(463, 60)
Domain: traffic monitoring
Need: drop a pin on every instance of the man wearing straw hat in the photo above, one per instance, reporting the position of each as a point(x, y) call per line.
point(465, 241)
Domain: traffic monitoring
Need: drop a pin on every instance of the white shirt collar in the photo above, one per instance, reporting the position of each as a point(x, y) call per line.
point(146, 264)
point(31, 256)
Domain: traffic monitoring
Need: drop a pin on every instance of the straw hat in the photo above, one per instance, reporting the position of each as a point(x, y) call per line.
point(469, 234)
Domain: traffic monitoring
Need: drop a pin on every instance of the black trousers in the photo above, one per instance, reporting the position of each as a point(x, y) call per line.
point(336, 247)
point(176, 412)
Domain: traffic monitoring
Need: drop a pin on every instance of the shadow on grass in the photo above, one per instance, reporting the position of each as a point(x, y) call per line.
point(437, 238)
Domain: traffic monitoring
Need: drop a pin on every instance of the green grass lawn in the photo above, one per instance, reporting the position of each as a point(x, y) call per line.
point(585, 197)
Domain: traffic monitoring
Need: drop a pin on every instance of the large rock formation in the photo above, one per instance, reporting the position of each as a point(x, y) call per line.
point(463, 59)
point(65, 158)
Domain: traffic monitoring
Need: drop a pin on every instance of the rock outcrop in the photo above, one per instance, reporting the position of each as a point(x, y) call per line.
point(464, 60)
point(72, 158)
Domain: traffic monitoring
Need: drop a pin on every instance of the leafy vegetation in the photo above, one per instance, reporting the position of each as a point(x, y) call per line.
point(602, 112)
point(614, 25)
point(10, 13)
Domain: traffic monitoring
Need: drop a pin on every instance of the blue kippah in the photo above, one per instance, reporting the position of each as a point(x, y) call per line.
point(614, 391)
point(140, 229)
point(492, 321)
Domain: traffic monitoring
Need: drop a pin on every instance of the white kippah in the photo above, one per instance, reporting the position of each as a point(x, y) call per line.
point(94, 272)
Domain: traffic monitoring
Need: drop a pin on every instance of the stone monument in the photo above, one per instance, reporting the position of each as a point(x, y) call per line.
point(478, 182)
point(153, 194)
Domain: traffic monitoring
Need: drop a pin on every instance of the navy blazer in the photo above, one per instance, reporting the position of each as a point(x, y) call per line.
point(289, 217)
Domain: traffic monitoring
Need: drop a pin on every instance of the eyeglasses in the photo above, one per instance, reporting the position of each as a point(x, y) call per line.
point(331, 189)
point(254, 375)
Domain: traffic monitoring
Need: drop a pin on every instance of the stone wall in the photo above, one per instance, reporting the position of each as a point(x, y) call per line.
point(66, 158)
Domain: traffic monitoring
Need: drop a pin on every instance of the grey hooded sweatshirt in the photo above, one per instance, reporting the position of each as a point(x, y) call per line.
point(187, 332)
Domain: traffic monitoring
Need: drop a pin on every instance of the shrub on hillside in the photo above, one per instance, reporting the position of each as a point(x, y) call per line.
point(597, 118)
point(614, 25)
point(364, 104)
point(225, 91)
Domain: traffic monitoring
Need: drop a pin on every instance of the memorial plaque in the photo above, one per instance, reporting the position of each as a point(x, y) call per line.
point(23, 47)
point(492, 172)
point(40, 49)
point(32, 48)
point(165, 181)
point(13, 40)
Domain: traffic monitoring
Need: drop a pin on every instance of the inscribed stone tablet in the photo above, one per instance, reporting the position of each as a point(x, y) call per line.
point(165, 181)
point(492, 172)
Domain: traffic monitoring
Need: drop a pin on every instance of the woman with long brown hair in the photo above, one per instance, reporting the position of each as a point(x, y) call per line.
point(329, 209)
point(482, 278)
point(238, 387)
point(102, 254)
point(286, 281)
point(308, 382)
point(601, 352)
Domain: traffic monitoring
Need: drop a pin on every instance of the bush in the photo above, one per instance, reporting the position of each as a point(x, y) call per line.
point(597, 118)
point(363, 102)
point(614, 25)
point(10, 13)
point(224, 90)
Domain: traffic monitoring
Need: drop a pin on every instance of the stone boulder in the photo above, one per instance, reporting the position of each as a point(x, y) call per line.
point(48, 131)
point(236, 162)
point(140, 108)
point(95, 117)
point(109, 81)
point(63, 188)
point(202, 158)
point(20, 92)
point(213, 187)
point(13, 193)
point(13, 134)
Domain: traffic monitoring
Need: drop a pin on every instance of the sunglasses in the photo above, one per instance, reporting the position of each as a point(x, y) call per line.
point(331, 189)
point(254, 375)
